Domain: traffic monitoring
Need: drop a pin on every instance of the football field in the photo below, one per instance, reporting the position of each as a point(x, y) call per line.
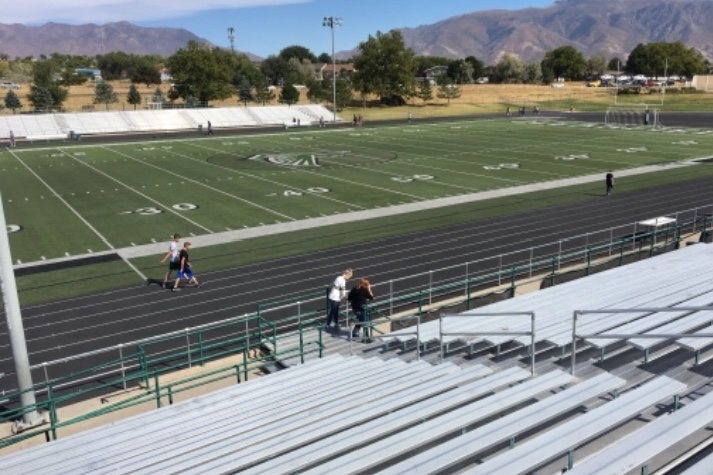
point(69, 199)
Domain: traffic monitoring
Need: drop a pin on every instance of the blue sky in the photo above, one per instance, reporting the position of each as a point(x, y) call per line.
point(262, 27)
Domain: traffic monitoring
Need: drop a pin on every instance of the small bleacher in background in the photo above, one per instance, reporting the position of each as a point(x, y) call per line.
point(61, 126)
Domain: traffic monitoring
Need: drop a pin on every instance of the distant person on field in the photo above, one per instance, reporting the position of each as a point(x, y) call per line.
point(507, 112)
point(172, 257)
point(210, 128)
point(184, 271)
point(12, 140)
point(336, 293)
point(410, 117)
point(321, 121)
point(358, 296)
point(610, 183)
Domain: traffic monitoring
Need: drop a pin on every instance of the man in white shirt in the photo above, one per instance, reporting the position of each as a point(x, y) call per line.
point(172, 255)
point(336, 293)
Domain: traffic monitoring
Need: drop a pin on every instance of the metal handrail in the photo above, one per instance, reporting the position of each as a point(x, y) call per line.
point(624, 336)
point(441, 333)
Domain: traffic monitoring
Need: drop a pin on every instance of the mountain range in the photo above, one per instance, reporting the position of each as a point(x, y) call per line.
point(611, 27)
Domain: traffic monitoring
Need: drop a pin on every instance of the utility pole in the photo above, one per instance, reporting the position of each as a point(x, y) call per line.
point(231, 38)
point(16, 332)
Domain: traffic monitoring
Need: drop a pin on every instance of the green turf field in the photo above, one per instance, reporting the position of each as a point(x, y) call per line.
point(70, 200)
point(66, 200)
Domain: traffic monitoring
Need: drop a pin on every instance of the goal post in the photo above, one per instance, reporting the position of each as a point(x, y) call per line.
point(633, 116)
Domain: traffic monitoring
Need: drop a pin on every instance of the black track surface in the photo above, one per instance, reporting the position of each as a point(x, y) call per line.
point(61, 329)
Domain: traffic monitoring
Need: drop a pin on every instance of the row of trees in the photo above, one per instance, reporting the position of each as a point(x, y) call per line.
point(383, 67)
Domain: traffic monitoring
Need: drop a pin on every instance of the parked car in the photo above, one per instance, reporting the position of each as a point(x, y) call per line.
point(596, 83)
point(9, 85)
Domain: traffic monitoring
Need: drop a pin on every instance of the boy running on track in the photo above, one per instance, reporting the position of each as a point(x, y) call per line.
point(184, 271)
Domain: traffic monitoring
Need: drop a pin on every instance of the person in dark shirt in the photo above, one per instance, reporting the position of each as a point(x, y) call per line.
point(610, 183)
point(358, 296)
point(185, 271)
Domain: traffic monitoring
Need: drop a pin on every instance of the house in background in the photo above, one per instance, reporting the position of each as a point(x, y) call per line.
point(326, 70)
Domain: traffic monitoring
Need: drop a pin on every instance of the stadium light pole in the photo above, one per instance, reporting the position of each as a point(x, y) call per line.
point(16, 333)
point(331, 22)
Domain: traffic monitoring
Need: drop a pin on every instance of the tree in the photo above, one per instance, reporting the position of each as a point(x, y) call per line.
point(448, 90)
point(385, 66)
point(104, 94)
point(12, 101)
point(564, 62)
point(198, 71)
point(596, 65)
point(299, 52)
point(41, 98)
point(245, 91)
point(274, 68)
point(532, 73)
point(44, 81)
point(478, 66)
point(145, 72)
point(425, 92)
point(345, 93)
point(298, 71)
point(657, 59)
point(615, 64)
point(157, 96)
point(324, 58)
point(460, 71)
point(509, 70)
point(263, 93)
point(317, 91)
point(289, 94)
point(133, 97)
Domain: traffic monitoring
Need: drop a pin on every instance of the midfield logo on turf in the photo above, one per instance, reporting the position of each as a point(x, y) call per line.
point(316, 159)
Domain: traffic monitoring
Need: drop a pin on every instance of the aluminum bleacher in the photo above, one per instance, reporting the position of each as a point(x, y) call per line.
point(633, 451)
point(60, 126)
point(31, 127)
point(668, 280)
point(539, 450)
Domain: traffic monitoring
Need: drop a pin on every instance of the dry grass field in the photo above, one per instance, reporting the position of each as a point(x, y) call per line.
point(474, 99)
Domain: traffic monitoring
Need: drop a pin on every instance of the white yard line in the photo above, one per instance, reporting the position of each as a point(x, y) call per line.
point(57, 195)
point(257, 177)
point(312, 223)
point(78, 215)
point(143, 195)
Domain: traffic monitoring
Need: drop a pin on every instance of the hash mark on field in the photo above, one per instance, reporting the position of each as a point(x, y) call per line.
point(19, 261)
point(153, 240)
point(66, 254)
point(133, 243)
point(43, 258)
point(89, 251)
point(192, 234)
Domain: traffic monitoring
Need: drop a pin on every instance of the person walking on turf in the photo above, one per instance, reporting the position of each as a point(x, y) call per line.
point(184, 271)
point(172, 257)
point(358, 296)
point(610, 183)
point(336, 293)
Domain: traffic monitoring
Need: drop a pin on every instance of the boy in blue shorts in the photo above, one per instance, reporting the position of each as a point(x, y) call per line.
point(184, 271)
